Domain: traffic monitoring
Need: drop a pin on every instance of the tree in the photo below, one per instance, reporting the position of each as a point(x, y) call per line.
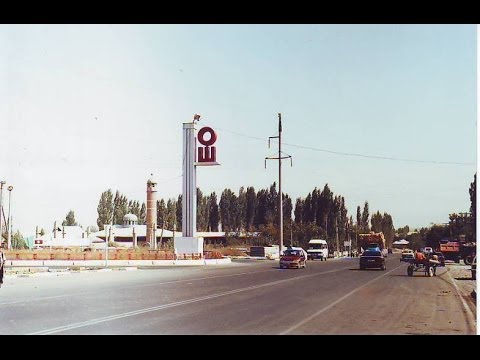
point(92, 228)
point(143, 214)
point(240, 221)
point(298, 211)
point(226, 215)
point(272, 205)
point(134, 208)
point(18, 241)
point(359, 219)
point(261, 208)
point(171, 214)
point(70, 219)
point(365, 217)
point(161, 213)
point(178, 213)
point(402, 232)
point(435, 234)
point(213, 214)
point(202, 211)
point(388, 229)
point(473, 207)
point(105, 209)
point(287, 209)
point(250, 208)
point(376, 221)
point(120, 208)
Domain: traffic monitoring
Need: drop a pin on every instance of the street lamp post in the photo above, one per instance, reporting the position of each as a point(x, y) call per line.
point(9, 225)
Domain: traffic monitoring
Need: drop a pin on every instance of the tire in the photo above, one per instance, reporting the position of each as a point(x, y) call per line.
point(410, 270)
point(430, 271)
point(468, 260)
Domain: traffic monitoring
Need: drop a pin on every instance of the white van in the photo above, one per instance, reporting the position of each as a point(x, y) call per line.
point(317, 249)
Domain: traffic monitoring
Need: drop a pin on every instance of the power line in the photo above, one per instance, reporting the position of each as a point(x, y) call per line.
point(342, 153)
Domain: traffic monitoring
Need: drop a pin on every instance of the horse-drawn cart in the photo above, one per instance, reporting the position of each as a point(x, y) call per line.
point(428, 266)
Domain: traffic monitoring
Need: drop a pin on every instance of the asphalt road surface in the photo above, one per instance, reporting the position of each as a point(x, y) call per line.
point(245, 297)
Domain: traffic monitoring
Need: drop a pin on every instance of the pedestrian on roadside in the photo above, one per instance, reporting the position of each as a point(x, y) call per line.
point(3, 259)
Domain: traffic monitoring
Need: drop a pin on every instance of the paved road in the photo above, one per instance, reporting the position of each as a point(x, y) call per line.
point(246, 297)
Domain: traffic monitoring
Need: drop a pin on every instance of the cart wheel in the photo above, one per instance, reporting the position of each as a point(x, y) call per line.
point(410, 270)
point(430, 271)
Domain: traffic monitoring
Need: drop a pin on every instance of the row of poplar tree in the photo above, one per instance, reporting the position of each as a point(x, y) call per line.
point(320, 214)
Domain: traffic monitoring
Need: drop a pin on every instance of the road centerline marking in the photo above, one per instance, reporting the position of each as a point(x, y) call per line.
point(174, 304)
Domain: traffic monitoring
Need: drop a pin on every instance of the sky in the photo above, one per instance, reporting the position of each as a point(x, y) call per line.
point(85, 108)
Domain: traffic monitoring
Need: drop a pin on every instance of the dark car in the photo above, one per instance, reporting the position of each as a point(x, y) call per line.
point(372, 259)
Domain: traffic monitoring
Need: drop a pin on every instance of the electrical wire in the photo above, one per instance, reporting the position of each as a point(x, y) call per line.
point(353, 154)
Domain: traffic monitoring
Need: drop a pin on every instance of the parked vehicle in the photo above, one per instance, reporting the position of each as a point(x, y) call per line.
point(317, 249)
point(407, 255)
point(372, 259)
point(456, 250)
point(427, 250)
point(293, 257)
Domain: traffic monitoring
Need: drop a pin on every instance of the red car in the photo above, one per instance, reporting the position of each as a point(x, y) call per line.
point(293, 258)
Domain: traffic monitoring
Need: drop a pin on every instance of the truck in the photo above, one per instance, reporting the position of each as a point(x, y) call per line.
point(317, 249)
point(456, 250)
point(372, 240)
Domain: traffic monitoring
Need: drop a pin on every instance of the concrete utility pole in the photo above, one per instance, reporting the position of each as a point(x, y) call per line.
point(9, 225)
point(336, 235)
point(279, 158)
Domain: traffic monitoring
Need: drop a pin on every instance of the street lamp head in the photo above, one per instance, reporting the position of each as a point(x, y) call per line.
point(10, 188)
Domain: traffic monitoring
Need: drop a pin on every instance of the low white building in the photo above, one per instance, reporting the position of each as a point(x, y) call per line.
point(68, 237)
point(130, 233)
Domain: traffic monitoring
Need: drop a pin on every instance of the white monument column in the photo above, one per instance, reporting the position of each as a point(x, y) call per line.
point(189, 197)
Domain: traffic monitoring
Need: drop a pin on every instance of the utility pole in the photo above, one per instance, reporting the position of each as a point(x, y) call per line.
point(279, 158)
point(336, 235)
point(291, 233)
point(9, 225)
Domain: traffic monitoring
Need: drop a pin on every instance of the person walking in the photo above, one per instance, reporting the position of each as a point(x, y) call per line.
point(3, 259)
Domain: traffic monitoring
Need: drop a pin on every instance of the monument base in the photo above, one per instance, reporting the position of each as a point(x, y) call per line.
point(188, 245)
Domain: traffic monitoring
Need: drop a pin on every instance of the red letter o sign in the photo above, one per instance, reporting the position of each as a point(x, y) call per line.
point(201, 134)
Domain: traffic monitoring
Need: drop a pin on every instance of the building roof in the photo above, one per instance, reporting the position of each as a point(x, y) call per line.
point(70, 241)
point(207, 234)
point(130, 217)
point(140, 230)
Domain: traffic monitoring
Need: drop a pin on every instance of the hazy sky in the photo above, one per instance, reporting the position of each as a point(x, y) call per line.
point(84, 108)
